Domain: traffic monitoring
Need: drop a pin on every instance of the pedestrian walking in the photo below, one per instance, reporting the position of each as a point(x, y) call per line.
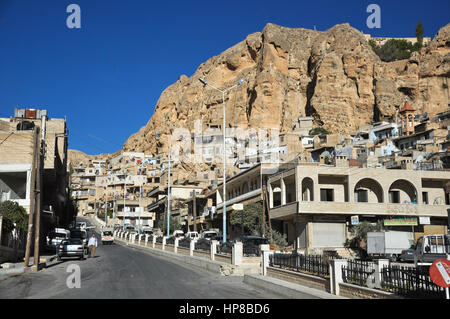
point(92, 245)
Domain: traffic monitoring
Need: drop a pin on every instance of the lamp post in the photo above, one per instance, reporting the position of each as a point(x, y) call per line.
point(168, 187)
point(124, 196)
point(203, 81)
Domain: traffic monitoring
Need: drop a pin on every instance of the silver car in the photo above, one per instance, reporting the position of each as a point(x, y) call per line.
point(72, 247)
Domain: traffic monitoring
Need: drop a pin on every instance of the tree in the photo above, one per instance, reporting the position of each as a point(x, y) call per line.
point(359, 240)
point(174, 224)
point(252, 217)
point(14, 214)
point(419, 33)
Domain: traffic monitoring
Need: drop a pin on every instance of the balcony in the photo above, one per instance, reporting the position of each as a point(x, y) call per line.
point(347, 208)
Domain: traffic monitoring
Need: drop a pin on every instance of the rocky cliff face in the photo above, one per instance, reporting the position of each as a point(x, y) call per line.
point(333, 76)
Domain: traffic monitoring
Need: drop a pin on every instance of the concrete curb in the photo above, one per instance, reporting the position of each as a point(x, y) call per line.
point(19, 270)
point(290, 290)
point(209, 265)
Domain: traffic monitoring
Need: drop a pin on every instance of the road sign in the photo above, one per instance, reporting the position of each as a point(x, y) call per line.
point(238, 207)
point(440, 272)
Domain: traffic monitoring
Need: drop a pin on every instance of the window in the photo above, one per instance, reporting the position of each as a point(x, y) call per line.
point(425, 197)
point(361, 196)
point(326, 195)
point(394, 197)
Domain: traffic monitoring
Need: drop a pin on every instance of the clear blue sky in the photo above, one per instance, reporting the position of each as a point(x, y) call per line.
point(107, 76)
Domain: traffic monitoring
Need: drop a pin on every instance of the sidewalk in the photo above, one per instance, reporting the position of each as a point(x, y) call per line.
point(46, 260)
point(287, 289)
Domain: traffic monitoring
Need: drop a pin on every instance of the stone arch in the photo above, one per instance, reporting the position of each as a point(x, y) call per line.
point(406, 191)
point(307, 189)
point(368, 190)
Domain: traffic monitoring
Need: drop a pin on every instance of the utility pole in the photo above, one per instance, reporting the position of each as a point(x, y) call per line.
point(195, 210)
point(268, 215)
point(32, 199)
point(263, 230)
point(168, 190)
point(39, 195)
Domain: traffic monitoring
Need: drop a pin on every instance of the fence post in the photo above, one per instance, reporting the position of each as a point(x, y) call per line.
point(175, 245)
point(213, 249)
point(191, 247)
point(265, 258)
point(153, 241)
point(237, 254)
point(336, 275)
point(379, 264)
point(164, 243)
point(146, 240)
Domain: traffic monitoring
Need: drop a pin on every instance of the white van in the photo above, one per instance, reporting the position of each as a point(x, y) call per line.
point(55, 237)
point(178, 233)
point(192, 235)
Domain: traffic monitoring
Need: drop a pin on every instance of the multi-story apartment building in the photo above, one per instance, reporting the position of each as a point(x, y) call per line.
point(321, 199)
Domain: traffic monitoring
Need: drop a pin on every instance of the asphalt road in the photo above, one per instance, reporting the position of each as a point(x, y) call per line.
point(122, 272)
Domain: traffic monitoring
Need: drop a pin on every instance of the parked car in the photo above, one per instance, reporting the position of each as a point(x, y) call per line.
point(192, 235)
point(55, 237)
point(209, 234)
point(81, 225)
point(407, 254)
point(178, 233)
point(72, 247)
point(79, 234)
point(147, 232)
point(429, 248)
point(130, 228)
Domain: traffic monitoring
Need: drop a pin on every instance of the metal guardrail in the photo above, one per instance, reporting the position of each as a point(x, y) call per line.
point(359, 273)
point(203, 244)
point(225, 248)
point(410, 282)
point(312, 264)
point(185, 242)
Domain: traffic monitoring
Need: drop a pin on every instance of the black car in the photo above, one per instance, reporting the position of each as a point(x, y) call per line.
point(407, 254)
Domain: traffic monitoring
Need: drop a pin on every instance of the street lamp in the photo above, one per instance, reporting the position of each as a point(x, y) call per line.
point(203, 81)
point(168, 187)
point(124, 196)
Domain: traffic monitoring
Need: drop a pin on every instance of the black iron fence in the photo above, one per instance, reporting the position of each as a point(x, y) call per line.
point(251, 250)
point(312, 264)
point(410, 282)
point(170, 241)
point(225, 248)
point(159, 239)
point(203, 244)
point(185, 242)
point(358, 272)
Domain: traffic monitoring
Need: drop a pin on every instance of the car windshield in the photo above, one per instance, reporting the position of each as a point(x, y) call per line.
point(210, 235)
point(72, 241)
point(107, 233)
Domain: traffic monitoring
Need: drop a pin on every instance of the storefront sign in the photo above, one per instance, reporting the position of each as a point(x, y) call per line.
point(424, 221)
point(401, 222)
point(355, 220)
